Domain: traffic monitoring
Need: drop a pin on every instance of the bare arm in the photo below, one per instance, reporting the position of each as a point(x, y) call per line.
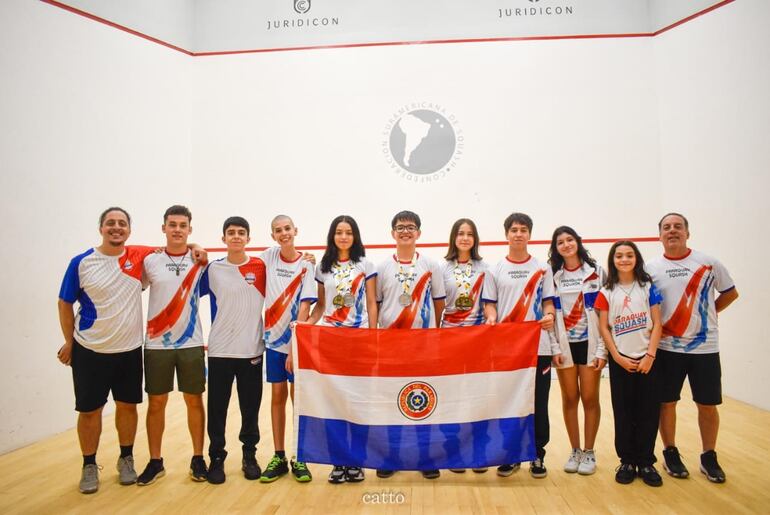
point(304, 311)
point(725, 299)
point(320, 305)
point(645, 364)
point(67, 322)
point(439, 305)
point(490, 312)
point(372, 309)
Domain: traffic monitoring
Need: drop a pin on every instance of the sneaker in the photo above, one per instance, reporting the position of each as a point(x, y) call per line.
point(480, 470)
point(385, 474)
point(354, 475)
point(507, 470)
point(126, 472)
point(537, 468)
point(574, 461)
point(672, 463)
point(198, 470)
point(250, 468)
point(625, 473)
point(650, 476)
point(153, 471)
point(300, 471)
point(587, 463)
point(457, 471)
point(89, 479)
point(710, 467)
point(277, 467)
point(337, 475)
point(216, 474)
point(431, 474)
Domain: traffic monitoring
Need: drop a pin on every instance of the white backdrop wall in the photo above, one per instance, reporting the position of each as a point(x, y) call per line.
point(580, 132)
point(89, 117)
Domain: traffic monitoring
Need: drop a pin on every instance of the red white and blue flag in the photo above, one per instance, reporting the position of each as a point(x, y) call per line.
point(415, 399)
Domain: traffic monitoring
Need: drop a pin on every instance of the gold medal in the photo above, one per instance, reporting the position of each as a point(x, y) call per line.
point(464, 302)
point(338, 301)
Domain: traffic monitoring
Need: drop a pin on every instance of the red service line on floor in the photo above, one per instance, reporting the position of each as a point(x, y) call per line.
point(641, 239)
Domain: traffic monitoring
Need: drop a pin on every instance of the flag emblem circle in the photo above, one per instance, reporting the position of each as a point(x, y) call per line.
point(417, 400)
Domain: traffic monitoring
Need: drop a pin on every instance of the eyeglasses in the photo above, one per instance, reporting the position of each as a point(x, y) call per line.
point(406, 228)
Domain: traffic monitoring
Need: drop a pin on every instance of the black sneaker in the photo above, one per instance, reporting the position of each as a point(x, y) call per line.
point(537, 469)
point(431, 474)
point(672, 463)
point(152, 472)
point(625, 473)
point(354, 474)
point(198, 470)
point(337, 475)
point(710, 467)
point(216, 475)
point(250, 468)
point(650, 476)
point(278, 466)
point(507, 470)
point(300, 472)
point(384, 474)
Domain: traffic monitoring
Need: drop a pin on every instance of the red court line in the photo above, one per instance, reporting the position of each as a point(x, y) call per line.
point(638, 239)
point(116, 26)
point(93, 17)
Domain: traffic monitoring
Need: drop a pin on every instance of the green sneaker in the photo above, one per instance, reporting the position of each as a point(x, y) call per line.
point(276, 468)
point(300, 471)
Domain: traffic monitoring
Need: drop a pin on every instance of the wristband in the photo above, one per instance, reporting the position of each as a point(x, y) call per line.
point(650, 355)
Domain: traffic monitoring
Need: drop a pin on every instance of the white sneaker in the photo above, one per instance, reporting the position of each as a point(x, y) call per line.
point(587, 463)
point(574, 461)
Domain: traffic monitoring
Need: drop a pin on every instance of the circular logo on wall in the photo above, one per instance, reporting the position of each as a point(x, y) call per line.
point(422, 142)
point(417, 400)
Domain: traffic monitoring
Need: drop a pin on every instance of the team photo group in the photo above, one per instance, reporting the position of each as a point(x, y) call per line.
point(653, 322)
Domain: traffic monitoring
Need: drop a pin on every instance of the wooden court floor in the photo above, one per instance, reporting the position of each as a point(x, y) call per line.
point(42, 478)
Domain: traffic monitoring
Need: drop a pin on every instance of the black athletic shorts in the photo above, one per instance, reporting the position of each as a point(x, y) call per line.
point(579, 352)
point(94, 374)
point(704, 372)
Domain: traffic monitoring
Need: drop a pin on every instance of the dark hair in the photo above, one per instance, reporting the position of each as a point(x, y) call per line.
point(113, 208)
point(640, 275)
point(686, 223)
point(453, 252)
point(177, 209)
point(331, 254)
point(517, 218)
point(408, 216)
point(237, 221)
point(555, 259)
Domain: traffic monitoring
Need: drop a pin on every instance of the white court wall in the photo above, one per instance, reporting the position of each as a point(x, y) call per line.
point(89, 117)
point(570, 131)
point(712, 81)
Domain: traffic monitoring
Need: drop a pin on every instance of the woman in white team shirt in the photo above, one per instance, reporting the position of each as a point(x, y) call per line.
point(630, 323)
point(463, 272)
point(346, 298)
point(577, 280)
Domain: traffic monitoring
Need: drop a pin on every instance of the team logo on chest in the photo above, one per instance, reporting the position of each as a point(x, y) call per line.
point(250, 277)
point(417, 400)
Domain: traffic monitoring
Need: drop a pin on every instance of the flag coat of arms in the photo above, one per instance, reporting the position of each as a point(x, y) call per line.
point(415, 399)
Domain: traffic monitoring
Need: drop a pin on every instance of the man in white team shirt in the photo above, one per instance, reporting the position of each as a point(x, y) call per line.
point(103, 341)
point(687, 279)
point(410, 293)
point(174, 342)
